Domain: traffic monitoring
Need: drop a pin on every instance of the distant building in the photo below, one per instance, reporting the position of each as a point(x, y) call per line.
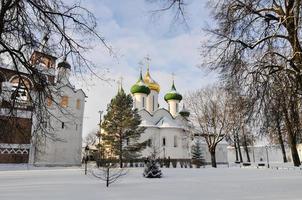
point(168, 130)
point(58, 139)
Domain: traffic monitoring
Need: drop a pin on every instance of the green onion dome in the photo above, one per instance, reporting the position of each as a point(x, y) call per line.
point(64, 64)
point(184, 112)
point(173, 94)
point(140, 86)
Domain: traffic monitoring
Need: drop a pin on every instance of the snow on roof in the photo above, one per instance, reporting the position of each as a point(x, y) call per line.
point(166, 122)
point(147, 123)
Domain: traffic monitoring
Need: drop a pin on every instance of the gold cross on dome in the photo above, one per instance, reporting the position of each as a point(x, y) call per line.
point(173, 76)
point(147, 58)
point(148, 61)
point(141, 64)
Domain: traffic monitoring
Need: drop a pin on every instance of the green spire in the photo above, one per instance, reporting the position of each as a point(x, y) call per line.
point(140, 75)
point(140, 86)
point(173, 94)
point(173, 85)
point(184, 112)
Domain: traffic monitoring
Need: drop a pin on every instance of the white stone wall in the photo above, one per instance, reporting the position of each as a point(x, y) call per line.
point(138, 99)
point(259, 153)
point(150, 107)
point(181, 150)
point(173, 107)
point(162, 125)
point(299, 147)
point(221, 151)
point(65, 148)
point(150, 133)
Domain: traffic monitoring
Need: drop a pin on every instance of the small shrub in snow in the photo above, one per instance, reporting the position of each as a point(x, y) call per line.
point(152, 169)
point(109, 173)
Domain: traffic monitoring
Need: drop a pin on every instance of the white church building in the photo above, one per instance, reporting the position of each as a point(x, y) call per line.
point(168, 130)
point(64, 125)
point(44, 130)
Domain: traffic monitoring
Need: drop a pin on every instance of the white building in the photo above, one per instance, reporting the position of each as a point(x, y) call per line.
point(168, 130)
point(62, 146)
point(43, 130)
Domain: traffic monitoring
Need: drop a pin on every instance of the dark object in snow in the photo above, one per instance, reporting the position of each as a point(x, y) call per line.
point(152, 169)
point(246, 164)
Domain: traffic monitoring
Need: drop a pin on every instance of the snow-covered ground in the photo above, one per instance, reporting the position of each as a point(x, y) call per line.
point(177, 184)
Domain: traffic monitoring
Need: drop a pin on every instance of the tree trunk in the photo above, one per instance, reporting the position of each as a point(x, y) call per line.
point(293, 148)
point(247, 153)
point(121, 153)
point(296, 129)
point(245, 146)
point(107, 177)
point(280, 138)
point(291, 136)
point(213, 157)
point(238, 147)
point(236, 150)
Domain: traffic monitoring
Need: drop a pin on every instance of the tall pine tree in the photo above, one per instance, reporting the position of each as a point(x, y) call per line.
point(121, 128)
point(197, 154)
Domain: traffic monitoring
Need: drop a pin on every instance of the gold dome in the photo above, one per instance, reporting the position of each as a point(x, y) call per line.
point(152, 84)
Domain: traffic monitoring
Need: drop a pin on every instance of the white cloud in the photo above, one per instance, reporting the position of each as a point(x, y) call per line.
point(127, 30)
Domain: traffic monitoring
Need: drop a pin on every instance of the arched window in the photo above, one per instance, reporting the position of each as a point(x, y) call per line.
point(22, 81)
point(64, 101)
point(78, 104)
point(153, 103)
point(149, 143)
point(20, 87)
point(164, 141)
point(176, 107)
point(143, 102)
point(49, 101)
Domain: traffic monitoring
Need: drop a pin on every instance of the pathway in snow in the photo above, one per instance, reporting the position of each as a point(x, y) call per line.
point(177, 184)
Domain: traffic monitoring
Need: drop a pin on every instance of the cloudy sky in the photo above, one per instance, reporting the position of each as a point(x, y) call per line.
point(134, 32)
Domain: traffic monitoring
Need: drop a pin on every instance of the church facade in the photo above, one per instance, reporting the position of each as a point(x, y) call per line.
point(44, 133)
point(168, 131)
point(63, 146)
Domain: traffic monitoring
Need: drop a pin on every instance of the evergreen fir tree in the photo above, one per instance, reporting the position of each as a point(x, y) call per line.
point(152, 169)
point(197, 155)
point(121, 128)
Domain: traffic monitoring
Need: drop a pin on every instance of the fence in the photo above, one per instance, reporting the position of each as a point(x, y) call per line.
point(167, 163)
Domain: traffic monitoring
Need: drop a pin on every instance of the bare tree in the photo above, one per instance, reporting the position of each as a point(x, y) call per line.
point(210, 113)
point(264, 37)
point(256, 41)
point(275, 124)
point(53, 29)
point(237, 117)
point(91, 138)
point(22, 23)
point(177, 7)
point(110, 173)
